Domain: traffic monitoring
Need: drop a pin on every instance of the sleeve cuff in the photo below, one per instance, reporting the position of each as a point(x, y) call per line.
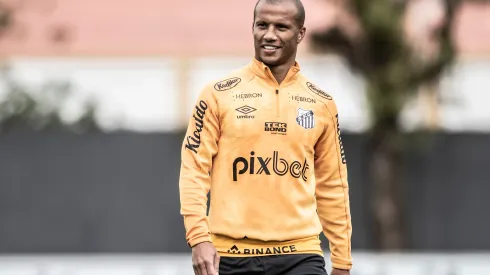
point(341, 263)
point(341, 266)
point(199, 240)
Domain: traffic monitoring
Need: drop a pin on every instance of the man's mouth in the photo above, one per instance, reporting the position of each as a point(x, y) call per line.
point(270, 48)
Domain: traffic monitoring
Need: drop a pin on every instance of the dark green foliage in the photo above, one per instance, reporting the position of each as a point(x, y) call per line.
point(393, 72)
point(381, 55)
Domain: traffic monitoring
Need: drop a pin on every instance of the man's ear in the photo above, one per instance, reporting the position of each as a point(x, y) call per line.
point(301, 35)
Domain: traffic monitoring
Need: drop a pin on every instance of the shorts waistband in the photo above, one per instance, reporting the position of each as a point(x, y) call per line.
point(229, 247)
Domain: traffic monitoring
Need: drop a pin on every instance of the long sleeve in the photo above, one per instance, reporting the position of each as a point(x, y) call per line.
point(199, 147)
point(332, 191)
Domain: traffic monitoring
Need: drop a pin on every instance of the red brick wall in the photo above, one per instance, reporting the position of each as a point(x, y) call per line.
point(159, 27)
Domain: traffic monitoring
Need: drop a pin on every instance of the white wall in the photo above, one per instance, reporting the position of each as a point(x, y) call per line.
point(465, 94)
point(142, 94)
point(364, 264)
point(133, 93)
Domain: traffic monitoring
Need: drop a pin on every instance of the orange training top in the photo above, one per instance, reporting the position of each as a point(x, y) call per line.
point(272, 157)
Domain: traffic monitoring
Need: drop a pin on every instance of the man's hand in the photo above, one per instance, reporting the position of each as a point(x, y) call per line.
point(205, 259)
point(336, 271)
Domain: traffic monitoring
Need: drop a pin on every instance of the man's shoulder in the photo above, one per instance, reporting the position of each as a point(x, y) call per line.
point(229, 81)
point(317, 92)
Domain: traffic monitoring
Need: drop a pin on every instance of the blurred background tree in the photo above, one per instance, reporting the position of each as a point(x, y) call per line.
point(22, 107)
point(370, 35)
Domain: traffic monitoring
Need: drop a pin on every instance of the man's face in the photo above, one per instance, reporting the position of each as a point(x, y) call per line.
point(276, 33)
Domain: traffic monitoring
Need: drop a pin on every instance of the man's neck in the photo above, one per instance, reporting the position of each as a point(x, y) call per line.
point(280, 72)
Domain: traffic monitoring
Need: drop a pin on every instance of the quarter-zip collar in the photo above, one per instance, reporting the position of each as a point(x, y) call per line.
point(261, 70)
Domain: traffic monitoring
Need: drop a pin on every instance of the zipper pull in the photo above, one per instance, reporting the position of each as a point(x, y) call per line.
point(277, 92)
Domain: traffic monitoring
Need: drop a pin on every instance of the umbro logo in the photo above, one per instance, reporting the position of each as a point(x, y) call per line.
point(246, 110)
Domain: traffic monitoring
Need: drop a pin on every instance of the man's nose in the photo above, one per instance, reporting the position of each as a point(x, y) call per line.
point(270, 35)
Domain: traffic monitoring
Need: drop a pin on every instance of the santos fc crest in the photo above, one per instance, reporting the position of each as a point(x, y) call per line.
point(305, 118)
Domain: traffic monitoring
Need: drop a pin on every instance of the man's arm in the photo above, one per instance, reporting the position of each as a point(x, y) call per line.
point(332, 191)
point(198, 149)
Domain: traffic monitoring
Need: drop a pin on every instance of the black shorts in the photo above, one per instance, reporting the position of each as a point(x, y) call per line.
point(292, 264)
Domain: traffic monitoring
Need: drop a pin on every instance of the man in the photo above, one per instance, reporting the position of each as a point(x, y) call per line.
point(265, 142)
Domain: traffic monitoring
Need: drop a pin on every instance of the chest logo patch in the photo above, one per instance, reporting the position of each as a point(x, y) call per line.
point(305, 118)
point(227, 84)
point(318, 91)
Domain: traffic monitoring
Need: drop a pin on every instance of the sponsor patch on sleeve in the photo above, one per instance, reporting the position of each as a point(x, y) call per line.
point(227, 84)
point(318, 91)
point(194, 140)
point(342, 152)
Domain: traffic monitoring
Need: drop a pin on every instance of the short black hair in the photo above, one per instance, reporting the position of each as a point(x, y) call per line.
point(300, 16)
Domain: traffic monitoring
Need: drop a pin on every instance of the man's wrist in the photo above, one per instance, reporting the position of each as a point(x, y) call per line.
point(198, 240)
point(336, 271)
